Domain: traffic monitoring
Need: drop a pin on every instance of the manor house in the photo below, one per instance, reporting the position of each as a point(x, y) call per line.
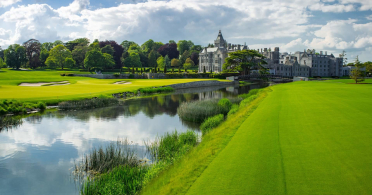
point(305, 64)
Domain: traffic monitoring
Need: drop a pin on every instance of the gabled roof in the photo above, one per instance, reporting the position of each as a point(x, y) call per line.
point(212, 49)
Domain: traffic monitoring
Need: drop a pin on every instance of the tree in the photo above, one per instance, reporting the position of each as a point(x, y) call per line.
point(109, 61)
point(44, 54)
point(77, 42)
point(196, 48)
point(133, 60)
point(94, 60)
point(148, 46)
point(169, 49)
point(343, 55)
point(1, 53)
point(152, 59)
point(243, 61)
point(33, 49)
point(126, 44)
point(195, 57)
point(2, 63)
point(160, 62)
point(78, 54)
point(59, 54)
point(108, 49)
point(167, 62)
point(184, 45)
point(357, 74)
point(175, 62)
point(157, 45)
point(184, 56)
point(144, 59)
point(118, 51)
point(47, 46)
point(368, 66)
point(69, 62)
point(171, 41)
point(51, 63)
point(15, 56)
point(350, 64)
point(58, 42)
point(188, 63)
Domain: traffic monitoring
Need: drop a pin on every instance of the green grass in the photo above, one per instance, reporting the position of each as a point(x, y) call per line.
point(304, 138)
point(79, 88)
point(178, 178)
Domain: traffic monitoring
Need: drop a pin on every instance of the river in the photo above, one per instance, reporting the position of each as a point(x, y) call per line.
point(36, 157)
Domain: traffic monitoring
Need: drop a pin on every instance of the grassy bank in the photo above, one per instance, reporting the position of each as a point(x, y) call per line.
point(79, 87)
point(182, 174)
point(304, 138)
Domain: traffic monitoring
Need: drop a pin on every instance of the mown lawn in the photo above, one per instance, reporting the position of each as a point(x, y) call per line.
point(304, 138)
point(80, 87)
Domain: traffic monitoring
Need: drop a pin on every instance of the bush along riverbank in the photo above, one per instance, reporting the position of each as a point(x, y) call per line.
point(177, 159)
point(101, 101)
point(8, 122)
point(16, 107)
point(118, 170)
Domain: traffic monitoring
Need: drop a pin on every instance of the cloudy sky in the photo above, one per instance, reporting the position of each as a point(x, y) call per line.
point(292, 25)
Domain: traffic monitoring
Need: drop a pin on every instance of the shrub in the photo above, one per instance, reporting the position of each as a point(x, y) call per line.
point(248, 100)
point(225, 103)
point(116, 75)
point(156, 90)
point(250, 93)
point(131, 76)
point(41, 105)
point(63, 74)
point(88, 103)
point(233, 110)
point(69, 74)
point(211, 123)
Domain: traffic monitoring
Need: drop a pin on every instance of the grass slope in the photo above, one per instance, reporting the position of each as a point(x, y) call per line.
point(178, 178)
point(304, 138)
point(80, 87)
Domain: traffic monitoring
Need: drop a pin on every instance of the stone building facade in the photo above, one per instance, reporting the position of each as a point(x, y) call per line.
point(304, 64)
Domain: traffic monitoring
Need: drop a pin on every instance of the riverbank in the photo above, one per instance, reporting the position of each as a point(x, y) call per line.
point(182, 174)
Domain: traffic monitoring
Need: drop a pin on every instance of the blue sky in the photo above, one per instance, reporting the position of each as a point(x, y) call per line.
point(292, 25)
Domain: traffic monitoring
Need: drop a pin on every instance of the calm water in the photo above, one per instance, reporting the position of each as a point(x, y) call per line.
point(36, 158)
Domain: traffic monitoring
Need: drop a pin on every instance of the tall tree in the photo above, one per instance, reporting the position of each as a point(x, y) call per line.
point(2, 63)
point(78, 54)
point(368, 66)
point(59, 54)
point(169, 49)
point(44, 54)
point(133, 60)
point(148, 46)
point(184, 56)
point(195, 57)
point(184, 45)
point(15, 56)
point(160, 62)
point(357, 74)
point(47, 46)
point(157, 45)
point(69, 62)
point(118, 51)
point(109, 61)
point(1, 53)
point(152, 59)
point(108, 49)
point(126, 44)
point(167, 61)
point(196, 48)
point(33, 49)
point(171, 41)
point(243, 61)
point(57, 42)
point(80, 41)
point(94, 60)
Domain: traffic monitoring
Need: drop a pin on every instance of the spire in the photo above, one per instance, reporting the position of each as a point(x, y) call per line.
point(219, 42)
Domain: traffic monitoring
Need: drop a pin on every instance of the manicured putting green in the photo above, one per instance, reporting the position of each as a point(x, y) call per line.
point(304, 138)
point(79, 87)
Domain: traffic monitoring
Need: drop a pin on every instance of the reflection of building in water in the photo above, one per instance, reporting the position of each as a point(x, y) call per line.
point(210, 95)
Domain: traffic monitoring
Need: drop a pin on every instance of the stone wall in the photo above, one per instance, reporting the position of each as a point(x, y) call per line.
point(202, 84)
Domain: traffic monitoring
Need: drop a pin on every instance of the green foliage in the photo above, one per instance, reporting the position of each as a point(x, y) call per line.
point(225, 103)
point(250, 93)
point(109, 61)
point(233, 110)
point(116, 75)
point(211, 122)
point(15, 56)
point(160, 62)
point(44, 54)
point(108, 49)
point(69, 62)
point(2, 63)
point(58, 55)
point(247, 101)
point(78, 54)
point(186, 54)
point(167, 62)
point(133, 60)
point(188, 64)
point(97, 60)
point(156, 89)
point(184, 45)
point(18, 107)
point(88, 103)
point(175, 62)
point(243, 61)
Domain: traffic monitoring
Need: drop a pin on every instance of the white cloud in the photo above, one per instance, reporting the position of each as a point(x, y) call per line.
point(5, 3)
point(369, 17)
point(331, 8)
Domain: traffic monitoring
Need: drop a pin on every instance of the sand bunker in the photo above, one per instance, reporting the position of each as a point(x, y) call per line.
point(122, 83)
point(44, 84)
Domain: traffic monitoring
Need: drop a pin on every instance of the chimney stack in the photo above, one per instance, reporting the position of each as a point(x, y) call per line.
point(205, 48)
point(325, 52)
point(321, 52)
point(238, 46)
point(265, 49)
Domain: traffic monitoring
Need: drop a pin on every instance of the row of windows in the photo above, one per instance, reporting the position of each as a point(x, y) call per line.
point(297, 69)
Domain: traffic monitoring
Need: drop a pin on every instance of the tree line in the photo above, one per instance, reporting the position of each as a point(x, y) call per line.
point(100, 55)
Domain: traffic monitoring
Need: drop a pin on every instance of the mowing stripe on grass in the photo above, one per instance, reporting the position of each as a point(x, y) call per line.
point(304, 138)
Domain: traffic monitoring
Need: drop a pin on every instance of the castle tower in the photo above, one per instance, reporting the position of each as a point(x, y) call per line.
point(220, 42)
